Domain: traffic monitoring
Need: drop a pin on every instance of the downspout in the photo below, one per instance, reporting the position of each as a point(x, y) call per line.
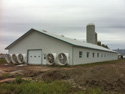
point(27, 55)
point(72, 56)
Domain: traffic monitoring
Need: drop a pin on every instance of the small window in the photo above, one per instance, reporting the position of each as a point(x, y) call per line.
point(34, 56)
point(30, 56)
point(97, 54)
point(93, 55)
point(102, 55)
point(105, 55)
point(80, 54)
point(87, 54)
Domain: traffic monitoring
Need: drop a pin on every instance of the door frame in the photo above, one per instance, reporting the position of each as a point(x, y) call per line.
point(33, 50)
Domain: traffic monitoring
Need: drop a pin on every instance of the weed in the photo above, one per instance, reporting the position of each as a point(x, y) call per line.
point(41, 87)
point(22, 87)
point(18, 80)
point(94, 91)
point(2, 61)
point(4, 75)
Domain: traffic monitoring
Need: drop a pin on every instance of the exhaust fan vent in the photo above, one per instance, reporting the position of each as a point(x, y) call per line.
point(8, 58)
point(14, 58)
point(44, 30)
point(21, 58)
point(62, 35)
point(62, 58)
point(50, 58)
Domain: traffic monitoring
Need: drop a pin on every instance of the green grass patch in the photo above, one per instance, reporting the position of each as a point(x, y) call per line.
point(2, 61)
point(20, 86)
point(101, 63)
point(5, 75)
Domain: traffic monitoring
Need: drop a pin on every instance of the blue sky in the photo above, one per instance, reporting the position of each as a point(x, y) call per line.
point(63, 17)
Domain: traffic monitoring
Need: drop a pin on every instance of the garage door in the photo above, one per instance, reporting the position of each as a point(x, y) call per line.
point(35, 56)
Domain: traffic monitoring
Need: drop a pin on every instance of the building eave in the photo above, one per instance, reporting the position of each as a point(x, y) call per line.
point(32, 30)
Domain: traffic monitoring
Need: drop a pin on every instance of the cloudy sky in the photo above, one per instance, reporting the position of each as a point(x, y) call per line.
point(63, 17)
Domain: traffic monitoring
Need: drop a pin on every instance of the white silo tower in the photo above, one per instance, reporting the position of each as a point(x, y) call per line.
point(91, 35)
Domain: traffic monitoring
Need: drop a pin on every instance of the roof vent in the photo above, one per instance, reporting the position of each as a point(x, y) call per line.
point(44, 30)
point(62, 35)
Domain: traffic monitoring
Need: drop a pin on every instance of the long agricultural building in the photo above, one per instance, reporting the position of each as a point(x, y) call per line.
point(41, 47)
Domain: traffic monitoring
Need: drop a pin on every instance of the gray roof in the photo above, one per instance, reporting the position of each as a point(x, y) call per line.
point(64, 39)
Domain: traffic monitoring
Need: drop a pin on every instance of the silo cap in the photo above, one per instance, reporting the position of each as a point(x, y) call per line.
point(90, 24)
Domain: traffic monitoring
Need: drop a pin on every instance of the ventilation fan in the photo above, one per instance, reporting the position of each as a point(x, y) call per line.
point(62, 58)
point(14, 59)
point(50, 58)
point(8, 58)
point(21, 58)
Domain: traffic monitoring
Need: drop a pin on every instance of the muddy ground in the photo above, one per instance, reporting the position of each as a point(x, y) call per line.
point(108, 77)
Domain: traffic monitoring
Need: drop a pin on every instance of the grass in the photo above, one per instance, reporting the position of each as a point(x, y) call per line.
point(2, 61)
point(5, 75)
point(20, 86)
point(101, 63)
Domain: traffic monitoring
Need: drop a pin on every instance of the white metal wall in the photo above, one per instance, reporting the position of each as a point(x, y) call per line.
point(103, 56)
point(36, 40)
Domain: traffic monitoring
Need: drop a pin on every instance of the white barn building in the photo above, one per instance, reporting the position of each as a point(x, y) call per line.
point(36, 45)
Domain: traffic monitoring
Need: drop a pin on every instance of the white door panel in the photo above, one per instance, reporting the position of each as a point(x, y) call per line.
point(35, 57)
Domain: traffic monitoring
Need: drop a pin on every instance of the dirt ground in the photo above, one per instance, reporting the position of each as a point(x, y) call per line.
point(108, 77)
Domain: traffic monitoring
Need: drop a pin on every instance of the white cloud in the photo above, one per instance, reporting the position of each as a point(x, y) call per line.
point(66, 17)
point(2, 47)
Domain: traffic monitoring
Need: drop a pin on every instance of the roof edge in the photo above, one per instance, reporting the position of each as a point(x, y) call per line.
point(32, 30)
